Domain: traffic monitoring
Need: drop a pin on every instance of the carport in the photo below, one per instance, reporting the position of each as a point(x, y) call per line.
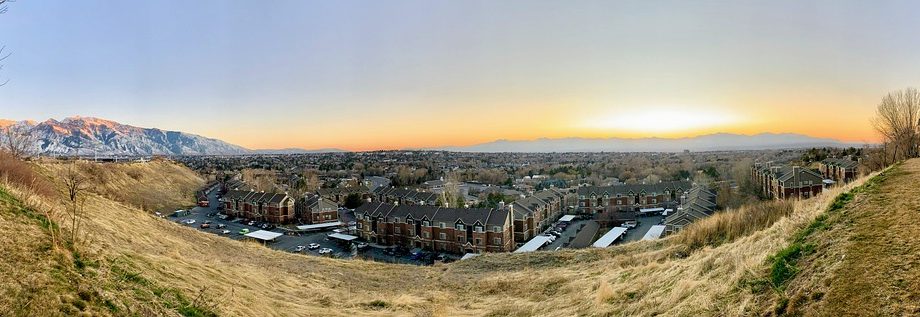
point(609, 237)
point(534, 244)
point(567, 218)
point(264, 235)
point(343, 237)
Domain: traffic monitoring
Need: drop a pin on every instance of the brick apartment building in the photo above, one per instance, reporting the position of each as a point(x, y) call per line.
point(534, 213)
point(260, 206)
point(783, 181)
point(338, 194)
point(842, 170)
point(454, 230)
point(630, 197)
point(314, 209)
point(697, 204)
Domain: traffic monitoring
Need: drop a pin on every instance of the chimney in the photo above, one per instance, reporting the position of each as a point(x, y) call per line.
point(501, 204)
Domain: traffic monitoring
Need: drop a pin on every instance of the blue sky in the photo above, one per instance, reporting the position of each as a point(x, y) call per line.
point(385, 74)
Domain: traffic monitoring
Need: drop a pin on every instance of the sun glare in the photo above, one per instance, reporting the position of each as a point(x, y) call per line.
point(662, 120)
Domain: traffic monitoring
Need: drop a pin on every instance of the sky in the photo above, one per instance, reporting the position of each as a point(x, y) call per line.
point(366, 75)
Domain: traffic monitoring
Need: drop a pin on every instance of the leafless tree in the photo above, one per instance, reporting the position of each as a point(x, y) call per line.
point(17, 140)
point(3, 55)
point(897, 119)
point(74, 183)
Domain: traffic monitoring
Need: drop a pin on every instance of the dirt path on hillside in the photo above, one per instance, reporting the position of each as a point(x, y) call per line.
point(868, 263)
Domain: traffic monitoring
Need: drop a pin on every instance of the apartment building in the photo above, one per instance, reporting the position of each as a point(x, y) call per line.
point(697, 204)
point(784, 182)
point(630, 197)
point(260, 206)
point(842, 170)
point(314, 209)
point(404, 196)
point(535, 213)
point(454, 230)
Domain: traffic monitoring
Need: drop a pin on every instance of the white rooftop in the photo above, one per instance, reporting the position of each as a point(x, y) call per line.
point(264, 235)
point(609, 237)
point(654, 232)
point(567, 218)
point(340, 236)
point(469, 256)
point(320, 225)
point(533, 245)
point(658, 209)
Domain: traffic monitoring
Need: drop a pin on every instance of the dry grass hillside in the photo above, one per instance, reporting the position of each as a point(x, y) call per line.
point(721, 266)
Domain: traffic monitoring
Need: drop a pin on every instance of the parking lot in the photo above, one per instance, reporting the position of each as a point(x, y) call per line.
point(291, 240)
point(645, 223)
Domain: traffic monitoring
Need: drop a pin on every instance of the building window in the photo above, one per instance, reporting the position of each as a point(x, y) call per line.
point(497, 229)
point(497, 241)
point(477, 241)
point(397, 230)
point(460, 226)
point(443, 236)
point(478, 229)
point(441, 225)
point(426, 234)
point(426, 223)
point(360, 225)
point(410, 221)
point(459, 239)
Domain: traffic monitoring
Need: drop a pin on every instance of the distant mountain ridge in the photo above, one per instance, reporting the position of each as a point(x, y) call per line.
point(94, 136)
point(710, 142)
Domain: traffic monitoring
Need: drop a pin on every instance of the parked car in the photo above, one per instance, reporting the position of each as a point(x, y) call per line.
point(205, 225)
point(221, 226)
point(299, 248)
point(251, 223)
point(361, 245)
point(225, 232)
point(630, 224)
point(551, 237)
point(244, 231)
point(313, 246)
point(325, 251)
point(190, 221)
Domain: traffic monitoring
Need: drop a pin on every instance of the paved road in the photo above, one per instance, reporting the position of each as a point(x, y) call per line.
point(569, 235)
point(645, 223)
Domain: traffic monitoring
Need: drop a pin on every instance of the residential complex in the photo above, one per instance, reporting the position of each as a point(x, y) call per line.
point(260, 206)
point(630, 197)
point(783, 181)
point(404, 196)
point(697, 204)
point(314, 209)
point(455, 230)
point(841, 170)
point(535, 213)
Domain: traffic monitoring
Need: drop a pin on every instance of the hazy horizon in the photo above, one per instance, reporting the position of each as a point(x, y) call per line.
point(420, 74)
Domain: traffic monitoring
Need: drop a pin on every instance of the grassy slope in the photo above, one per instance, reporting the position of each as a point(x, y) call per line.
point(863, 258)
point(233, 278)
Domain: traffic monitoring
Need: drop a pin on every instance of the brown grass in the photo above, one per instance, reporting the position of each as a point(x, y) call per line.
point(636, 279)
point(866, 255)
point(729, 225)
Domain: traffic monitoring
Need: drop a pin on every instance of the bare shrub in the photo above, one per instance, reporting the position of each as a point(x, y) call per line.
point(19, 173)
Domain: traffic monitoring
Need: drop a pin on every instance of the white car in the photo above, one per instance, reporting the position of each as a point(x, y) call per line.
point(313, 246)
point(190, 221)
point(299, 248)
point(325, 251)
point(225, 232)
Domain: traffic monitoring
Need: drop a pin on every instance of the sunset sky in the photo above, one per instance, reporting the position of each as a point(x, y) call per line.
point(365, 75)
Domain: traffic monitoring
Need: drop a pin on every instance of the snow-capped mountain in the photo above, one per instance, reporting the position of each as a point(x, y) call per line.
point(94, 136)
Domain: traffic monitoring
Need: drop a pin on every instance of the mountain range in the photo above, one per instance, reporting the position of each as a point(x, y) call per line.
point(94, 136)
point(710, 142)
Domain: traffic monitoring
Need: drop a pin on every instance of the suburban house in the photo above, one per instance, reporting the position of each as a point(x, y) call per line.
point(338, 194)
point(534, 213)
point(314, 209)
point(630, 197)
point(697, 204)
point(841, 170)
point(404, 196)
point(783, 181)
point(454, 230)
point(260, 206)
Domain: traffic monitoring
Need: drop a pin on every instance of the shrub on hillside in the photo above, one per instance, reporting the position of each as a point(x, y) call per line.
point(17, 172)
point(729, 225)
